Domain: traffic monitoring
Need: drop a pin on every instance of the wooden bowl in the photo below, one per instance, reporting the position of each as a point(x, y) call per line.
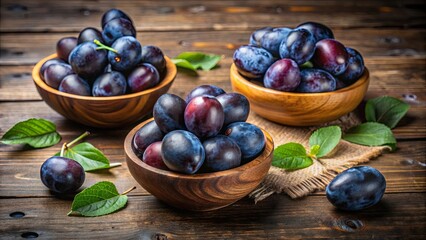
point(199, 192)
point(300, 109)
point(103, 112)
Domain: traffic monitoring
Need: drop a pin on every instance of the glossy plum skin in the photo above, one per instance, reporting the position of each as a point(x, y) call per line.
point(75, 85)
point(356, 188)
point(62, 175)
point(113, 14)
point(204, 116)
point(48, 63)
point(271, 40)
point(64, 47)
point(249, 138)
point(152, 156)
point(236, 107)
point(154, 56)
point(54, 74)
point(87, 61)
point(355, 67)
point(252, 61)
point(207, 89)
point(316, 80)
point(145, 136)
point(318, 30)
point(257, 35)
point(89, 34)
point(331, 55)
point(143, 77)
point(168, 113)
point(222, 153)
point(117, 28)
point(128, 55)
point(283, 75)
point(182, 152)
point(109, 84)
point(299, 45)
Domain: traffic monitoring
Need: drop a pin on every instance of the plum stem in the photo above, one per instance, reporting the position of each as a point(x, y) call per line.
point(64, 147)
point(111, 165)
point(85, 134)
point(129, 190)
point(103, 46)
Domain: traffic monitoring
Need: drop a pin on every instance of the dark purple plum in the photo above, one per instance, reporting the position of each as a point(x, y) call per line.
point(89, 34)
point(64, 47)
point(207, 89)
point(331, 55)
point(75, 85)
point(54, 74)
point(128, 55)
point(252, 61)
point(154, 56)
point(109, 84)
point(87, 61)
point(117, 28)
point(249, 138)
point(168, 112)
point(271, 40)
point(283, 75)
point(113, 14)
point(355, 67)
point(316, 80)
point(62, 175)
point(204, 116)
point(143, 77)
point(318, 30)
point(258, 34)
point(182, 151)
point(340, 84)
point(356, 188)
point(222, 153)
point(152, 156)
point(235, 106)
point(145, 136)
point(299, 45)
point(48, 63)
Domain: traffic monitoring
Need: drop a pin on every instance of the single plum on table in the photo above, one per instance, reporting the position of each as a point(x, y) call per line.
point(62, 175)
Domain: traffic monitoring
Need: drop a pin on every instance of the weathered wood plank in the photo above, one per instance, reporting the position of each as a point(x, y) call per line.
point(48, 16)
point(19, 48)
point(396, 216)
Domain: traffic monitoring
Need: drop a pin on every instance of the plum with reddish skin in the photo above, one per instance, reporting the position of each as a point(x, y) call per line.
point(316, 80)
point(283, 75)
point(299, 45)
point(143, 77)
point(75, 85)
point(48, 63)
point(152, 156)
point(154, 56)
point(145, 136)
point(355, 67)
point(236, 107)
point(64, 47)
point(54, 74)
point(62, 175)
point(182, 151)
point(331, 55)
point(210, 90)
point(252, 61)
point(204, 116)
point(168, 112)
point(318, 30)
point(109, 84)
point(222, 153)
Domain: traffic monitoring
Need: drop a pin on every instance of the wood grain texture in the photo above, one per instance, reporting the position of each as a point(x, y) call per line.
point(199, 192)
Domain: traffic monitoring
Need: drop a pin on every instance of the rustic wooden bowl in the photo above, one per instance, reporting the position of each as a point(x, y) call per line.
point(199, 192)
point(300, 109)
point(103, 112)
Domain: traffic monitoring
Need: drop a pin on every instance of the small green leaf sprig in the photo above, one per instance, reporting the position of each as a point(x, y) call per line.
point(196, 60)
point(382, 114)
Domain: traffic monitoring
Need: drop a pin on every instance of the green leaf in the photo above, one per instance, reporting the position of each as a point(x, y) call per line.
point(38, 133)
point(196, 60)
point(100, 199)
point(386, 110)
point(88, 156)
point(327, 138)
point(291, 156)
point(371, 134)
point(315, 150)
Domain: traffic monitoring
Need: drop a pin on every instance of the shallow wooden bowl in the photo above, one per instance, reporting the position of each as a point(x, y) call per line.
point(103, 112)
point(199, 192)
point(300, 109)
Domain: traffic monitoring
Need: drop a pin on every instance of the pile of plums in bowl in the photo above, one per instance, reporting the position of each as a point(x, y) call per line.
point(104, 78)
point(300, 76)
point(199, 153)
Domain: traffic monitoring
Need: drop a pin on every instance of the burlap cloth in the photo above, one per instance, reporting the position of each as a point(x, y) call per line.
point(317, 176)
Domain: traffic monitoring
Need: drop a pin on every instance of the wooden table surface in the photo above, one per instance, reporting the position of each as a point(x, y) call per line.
point(390, 35)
